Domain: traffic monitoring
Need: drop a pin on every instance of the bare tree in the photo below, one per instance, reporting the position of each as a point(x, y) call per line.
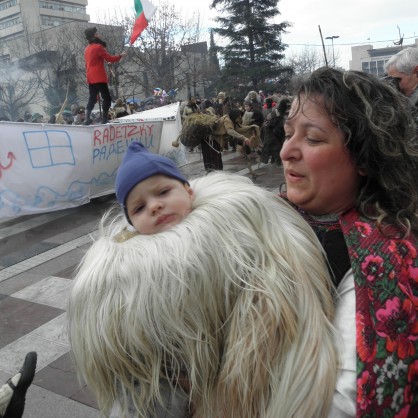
point(159, 58)
point(18, 89)
point(53, 60)
point(195, 66)
point(52, 56)
point(307, 60)
point(55, 56)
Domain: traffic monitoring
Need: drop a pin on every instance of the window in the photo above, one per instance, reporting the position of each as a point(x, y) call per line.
point(52, 21)
point(10, 21)
point(380, 67)
point(7, 4)
point(365, 67)
point(62, 6)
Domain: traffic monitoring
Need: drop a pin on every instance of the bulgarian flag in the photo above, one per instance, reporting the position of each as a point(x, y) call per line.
point(144, 11)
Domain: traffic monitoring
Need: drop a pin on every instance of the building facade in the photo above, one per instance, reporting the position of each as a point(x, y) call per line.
point(42, 50)
point(372, 61)
point(20, 17)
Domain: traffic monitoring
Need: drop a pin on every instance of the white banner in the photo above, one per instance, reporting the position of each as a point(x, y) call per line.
point(109, 143)
point(50, 167)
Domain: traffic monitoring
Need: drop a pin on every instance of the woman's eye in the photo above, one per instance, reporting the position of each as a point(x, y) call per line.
point(313, 140)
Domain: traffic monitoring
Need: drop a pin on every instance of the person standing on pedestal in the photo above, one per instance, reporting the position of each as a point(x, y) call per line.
point(95, 55)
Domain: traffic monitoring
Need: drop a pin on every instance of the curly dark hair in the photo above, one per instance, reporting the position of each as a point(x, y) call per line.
point(381, 136)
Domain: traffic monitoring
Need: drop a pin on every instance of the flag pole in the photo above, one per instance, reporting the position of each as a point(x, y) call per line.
point(323, 46)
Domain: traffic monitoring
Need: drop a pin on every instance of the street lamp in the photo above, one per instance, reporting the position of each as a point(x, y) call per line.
point(332, 41)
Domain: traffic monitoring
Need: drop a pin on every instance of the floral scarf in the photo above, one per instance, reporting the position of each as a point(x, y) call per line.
point(385, 272)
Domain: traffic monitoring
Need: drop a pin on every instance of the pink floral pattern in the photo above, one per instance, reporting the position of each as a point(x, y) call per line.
point(385, 269)
point(365, 391)
point(363, 228)
point(403, 251)
point(373, 266)
point(386, 282)
point(409, 283)
point(404, 412)
point(366, 343)
point(412, 388)
point(398, 324)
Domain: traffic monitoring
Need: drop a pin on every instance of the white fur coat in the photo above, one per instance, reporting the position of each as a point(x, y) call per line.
point(235, 303)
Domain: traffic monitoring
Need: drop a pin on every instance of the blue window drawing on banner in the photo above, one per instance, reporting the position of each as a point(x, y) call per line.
point(49, 148)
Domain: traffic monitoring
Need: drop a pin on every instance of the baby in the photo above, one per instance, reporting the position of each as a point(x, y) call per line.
point(208, 299)
point(152, 191)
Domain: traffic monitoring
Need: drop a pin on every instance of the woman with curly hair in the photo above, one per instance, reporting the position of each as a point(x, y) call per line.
point(350, 161)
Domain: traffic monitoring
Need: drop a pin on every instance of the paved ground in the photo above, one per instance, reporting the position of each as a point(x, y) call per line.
point(38, 257)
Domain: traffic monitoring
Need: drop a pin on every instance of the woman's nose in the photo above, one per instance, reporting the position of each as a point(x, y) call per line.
point(289, 149)
point(284, 152)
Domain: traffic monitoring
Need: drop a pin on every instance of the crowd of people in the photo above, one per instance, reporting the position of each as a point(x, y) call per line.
point(77, 115)
point(237, 123)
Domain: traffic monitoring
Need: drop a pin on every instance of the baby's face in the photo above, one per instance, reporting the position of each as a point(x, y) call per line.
point(158, 203)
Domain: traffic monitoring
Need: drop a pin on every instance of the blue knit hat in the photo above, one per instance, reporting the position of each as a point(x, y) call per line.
point(138, 164)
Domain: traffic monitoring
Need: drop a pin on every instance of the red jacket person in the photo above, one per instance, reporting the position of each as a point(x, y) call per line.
point(95, 55)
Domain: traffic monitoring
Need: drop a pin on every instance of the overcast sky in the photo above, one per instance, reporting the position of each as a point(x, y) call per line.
point(355, 22)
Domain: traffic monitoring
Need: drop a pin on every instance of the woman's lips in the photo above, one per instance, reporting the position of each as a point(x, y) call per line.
point(293, 175)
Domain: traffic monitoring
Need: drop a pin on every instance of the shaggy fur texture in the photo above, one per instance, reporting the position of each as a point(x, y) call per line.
point(236, 297)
